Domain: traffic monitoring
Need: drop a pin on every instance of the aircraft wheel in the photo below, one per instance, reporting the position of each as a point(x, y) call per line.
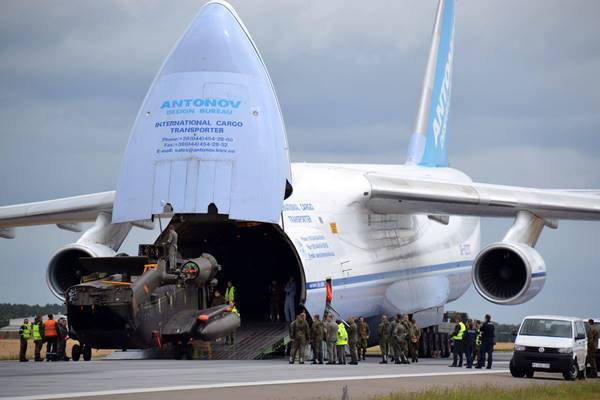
point(189, 351)
point(75, 352)
point(177, 351)
point(87, 352)
point(445, 346)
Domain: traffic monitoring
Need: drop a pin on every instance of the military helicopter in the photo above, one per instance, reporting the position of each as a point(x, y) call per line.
point(140, 302)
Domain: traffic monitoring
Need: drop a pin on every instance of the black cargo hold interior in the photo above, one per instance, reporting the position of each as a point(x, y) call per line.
point(251, 255)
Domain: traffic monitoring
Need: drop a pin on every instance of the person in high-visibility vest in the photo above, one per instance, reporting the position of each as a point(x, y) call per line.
point(457, 339)
point(38, 337)
point(477, 339)
point(24, 335)
point(230, 293)
point(51, 337)
point(342, 341)
point(230, 339)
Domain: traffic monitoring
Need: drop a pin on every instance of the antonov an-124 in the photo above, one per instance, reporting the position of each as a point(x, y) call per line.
point(208, 150)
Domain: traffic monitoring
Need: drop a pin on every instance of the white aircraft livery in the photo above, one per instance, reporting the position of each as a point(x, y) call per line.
point(208, 150)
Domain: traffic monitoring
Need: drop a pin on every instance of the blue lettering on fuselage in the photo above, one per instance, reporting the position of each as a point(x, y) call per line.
point(201, 102)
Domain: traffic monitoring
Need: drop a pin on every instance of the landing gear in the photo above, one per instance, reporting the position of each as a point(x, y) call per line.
point(183, 349)
point(76, 352)
point(189, 351)
point(87, 352)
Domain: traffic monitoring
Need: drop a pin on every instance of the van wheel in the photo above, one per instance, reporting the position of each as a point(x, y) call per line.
point(76, 352)
point(572, 372)
point(514, 371)
point(529, 373)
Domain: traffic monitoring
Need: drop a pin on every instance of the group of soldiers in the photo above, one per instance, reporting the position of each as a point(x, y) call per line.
point(53, 333)
point(398, 339)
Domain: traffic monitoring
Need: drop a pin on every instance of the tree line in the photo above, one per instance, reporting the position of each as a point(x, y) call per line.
point(9, 311)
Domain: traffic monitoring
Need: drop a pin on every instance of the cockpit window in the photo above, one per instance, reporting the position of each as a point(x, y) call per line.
point(546, 327)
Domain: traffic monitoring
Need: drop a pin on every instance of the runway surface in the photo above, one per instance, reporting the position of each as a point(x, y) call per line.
point(154, 379)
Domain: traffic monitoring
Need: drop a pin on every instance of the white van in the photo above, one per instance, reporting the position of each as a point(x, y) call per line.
point(550, 343)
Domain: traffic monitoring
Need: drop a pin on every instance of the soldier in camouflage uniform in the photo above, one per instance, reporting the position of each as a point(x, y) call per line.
point(415, 335)
point(405, 347)
point(592, 348)
point(299, 333)
point(363, 337)
point(331, 330)
point(317, 331)
point(394, 344)
point(384, 338)
point(399, 335)
point(352, 340)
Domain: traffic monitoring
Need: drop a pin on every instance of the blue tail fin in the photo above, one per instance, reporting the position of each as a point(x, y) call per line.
point(428, 143)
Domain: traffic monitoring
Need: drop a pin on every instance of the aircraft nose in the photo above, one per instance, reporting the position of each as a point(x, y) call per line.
point(209, 135)
point(216, 40)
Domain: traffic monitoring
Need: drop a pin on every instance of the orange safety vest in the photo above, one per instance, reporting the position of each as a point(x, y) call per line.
point(50, 328)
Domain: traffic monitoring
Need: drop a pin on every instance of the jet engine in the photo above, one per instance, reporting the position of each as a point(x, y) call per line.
point(508, 273)
point(64, 269)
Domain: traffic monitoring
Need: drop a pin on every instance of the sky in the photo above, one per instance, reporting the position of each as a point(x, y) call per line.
point(348, 75)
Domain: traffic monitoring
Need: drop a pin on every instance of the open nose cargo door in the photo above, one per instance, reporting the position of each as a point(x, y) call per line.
point(209, 131)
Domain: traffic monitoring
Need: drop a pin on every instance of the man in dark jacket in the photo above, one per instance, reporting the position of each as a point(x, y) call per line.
point(217, 299)
point(317, 332)
point(487, 343)
point(274, 300)
point(63, 335)
point(469, 343)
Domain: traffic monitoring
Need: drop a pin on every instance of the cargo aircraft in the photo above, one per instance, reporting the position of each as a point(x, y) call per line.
point(208, 149)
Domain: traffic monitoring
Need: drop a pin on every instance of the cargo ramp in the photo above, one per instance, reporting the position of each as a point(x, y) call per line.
point(253, 341)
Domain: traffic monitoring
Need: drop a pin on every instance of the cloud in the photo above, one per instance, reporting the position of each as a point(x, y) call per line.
point(348, 76)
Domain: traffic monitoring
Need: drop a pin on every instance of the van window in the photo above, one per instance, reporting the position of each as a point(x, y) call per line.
point(579, 328)
point(546, 327)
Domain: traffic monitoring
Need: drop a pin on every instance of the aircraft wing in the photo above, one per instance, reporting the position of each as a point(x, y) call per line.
point(391, 194)
point(68, 210)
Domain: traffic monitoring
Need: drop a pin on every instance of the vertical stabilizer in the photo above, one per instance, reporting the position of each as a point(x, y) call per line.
point(428, 143)
point(209, 132)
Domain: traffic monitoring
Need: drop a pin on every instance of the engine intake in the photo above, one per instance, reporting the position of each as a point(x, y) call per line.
point(65, 270)
point(508, 273)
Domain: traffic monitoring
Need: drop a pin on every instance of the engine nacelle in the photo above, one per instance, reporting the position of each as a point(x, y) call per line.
point(509, 273)
point(64, 269)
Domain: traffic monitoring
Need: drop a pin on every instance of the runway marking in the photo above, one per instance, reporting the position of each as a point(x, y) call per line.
point(238, 384)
